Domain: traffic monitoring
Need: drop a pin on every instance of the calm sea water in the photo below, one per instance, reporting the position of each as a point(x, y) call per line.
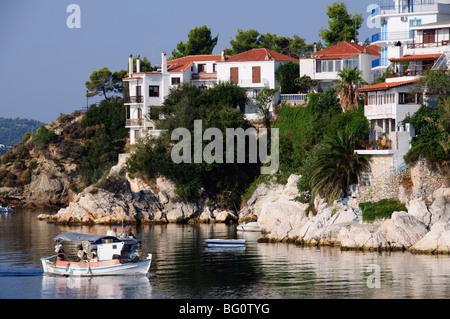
point(183, 267)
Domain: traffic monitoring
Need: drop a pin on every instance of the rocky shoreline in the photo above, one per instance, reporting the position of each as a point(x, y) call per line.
point(422, 229)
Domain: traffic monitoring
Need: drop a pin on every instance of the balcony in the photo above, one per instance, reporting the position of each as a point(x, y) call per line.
point(442, 43)
point(388, 7)
point(381, 144)
point(390, 36)
point(376, 63)
point(134, 99)
point(134, 123)
point(404, 73)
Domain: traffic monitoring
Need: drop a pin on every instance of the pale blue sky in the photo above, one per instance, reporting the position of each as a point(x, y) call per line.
point(45, 64)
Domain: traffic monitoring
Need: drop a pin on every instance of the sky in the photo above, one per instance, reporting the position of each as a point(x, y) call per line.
point(45, 64)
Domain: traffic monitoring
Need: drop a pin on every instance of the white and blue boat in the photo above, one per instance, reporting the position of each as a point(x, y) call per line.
point(7, 209)
point(225, 243)
point(96, 255)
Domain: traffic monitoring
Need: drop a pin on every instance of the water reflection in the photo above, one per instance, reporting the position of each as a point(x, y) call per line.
point(184, 267)
point(111, 287)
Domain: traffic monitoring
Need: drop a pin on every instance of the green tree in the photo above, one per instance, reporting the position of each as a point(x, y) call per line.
point(252, 39)
point(244, 41)
point(104, 82)
point(342, 26)
point(264, 101)
point(336, 166)
point(305, 84)
point(224, 183)
point(199, 42)
point(349, 81)
point(286, 75)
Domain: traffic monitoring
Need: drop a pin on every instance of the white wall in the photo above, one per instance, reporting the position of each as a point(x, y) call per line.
point(246, 73)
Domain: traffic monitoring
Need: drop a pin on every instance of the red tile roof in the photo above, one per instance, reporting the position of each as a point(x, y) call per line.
point(182, 64)
point(385, 86)
point(417, 57)
point(346, 50)
point(260, 55)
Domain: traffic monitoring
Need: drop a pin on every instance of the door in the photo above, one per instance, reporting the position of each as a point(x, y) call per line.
point(234, 75)
point(138, 94)
point(429, 36)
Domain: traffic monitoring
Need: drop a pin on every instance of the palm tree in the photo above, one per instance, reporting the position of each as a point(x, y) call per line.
point(336, 166)
point(350, 81)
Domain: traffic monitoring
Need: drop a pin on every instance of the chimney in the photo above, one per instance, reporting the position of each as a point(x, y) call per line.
point(222, 58)
point(138, 64)
point(164, 62)
point(315, 47)
point(130, 65)
point(398, 50)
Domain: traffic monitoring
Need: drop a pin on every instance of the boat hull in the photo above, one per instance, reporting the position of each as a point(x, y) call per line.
point(225, 242)
point(250, 227)
point(103, 268)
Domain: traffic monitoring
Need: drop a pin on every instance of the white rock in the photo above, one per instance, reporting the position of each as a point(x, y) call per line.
point(418, 209)
point(403, 230)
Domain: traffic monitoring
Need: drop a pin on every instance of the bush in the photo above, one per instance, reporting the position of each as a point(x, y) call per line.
point(42, 137)
point(384, 208)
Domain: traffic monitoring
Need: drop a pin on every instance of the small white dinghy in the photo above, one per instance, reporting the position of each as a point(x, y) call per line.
point(95, 255)
point(224, 243)
point(251, 227)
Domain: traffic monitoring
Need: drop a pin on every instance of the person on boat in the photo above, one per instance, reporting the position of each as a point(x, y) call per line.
point(129, 233)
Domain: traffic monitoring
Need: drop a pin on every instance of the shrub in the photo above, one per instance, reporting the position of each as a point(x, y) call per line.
point(42, 137)
point(384, 208)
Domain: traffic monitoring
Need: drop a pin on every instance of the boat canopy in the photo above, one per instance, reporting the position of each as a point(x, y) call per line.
point(93, 239)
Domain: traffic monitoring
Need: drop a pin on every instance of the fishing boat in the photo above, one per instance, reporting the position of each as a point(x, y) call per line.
point(232, 243)
point(252, 226)
point(97, 255)
point(7, 209)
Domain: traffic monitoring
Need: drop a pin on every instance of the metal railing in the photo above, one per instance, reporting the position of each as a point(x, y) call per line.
point(134, 122)
point(134, 99)
point(422, 45)
point(390, 36)
point(389, 7)
point(381, 144)
point(404, 73)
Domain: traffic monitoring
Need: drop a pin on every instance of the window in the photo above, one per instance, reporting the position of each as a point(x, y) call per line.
point(176, 81)
point(410, 98)
point(318, 66)
point(201, 68)
point(337, 65)
point(330, 66)
point(153, 90)
point(351, 63)
point(256, 74)
point(214, 67)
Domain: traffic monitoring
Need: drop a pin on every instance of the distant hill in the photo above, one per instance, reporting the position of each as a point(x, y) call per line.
point(12, 130)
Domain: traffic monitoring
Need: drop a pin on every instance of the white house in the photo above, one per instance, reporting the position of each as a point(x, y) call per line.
point(148, 89)
point(400, 22)
point(253, 70)
point(324, 65)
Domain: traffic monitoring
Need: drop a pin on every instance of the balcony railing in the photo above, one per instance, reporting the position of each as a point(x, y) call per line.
point(404, 73)
point(389, 7)
point(442, 43)
point(390, 36)
point(375, 63)
point(134, 99)
point(381, 144)
point(134, 122)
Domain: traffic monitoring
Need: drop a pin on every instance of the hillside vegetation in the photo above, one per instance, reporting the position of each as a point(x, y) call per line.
point(60, 159)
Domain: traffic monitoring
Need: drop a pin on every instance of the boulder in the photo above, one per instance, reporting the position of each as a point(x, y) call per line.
point(418, 209)
point(279, 219)
point(437, 240)
point(403, 230)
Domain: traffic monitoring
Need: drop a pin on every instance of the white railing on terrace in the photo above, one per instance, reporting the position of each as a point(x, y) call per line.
point(379, 110)
point(389, 7)
point(294, 97)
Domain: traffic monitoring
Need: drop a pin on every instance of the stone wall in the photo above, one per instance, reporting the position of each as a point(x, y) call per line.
point(417, 181)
